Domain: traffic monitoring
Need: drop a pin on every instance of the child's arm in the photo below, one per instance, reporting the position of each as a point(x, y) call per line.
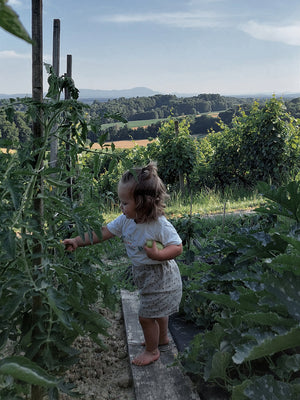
point(72, 244)
point(167, 253)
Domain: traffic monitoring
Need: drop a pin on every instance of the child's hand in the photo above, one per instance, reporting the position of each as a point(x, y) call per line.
point(70, 244)
point(153, 251)
point(168, 252)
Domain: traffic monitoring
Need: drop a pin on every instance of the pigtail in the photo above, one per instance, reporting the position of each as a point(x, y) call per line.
point(149, 171)
point(150, 194)
point(148, 191)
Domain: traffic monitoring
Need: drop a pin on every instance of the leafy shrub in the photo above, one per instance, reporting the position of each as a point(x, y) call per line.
point(263, 145)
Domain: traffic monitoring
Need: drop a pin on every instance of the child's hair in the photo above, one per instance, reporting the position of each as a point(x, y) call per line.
point(148, 191)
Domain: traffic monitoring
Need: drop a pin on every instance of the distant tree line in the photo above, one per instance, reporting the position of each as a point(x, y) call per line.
point(15, 131)
point(161, 106)
point(153, 107)
point(198, 126)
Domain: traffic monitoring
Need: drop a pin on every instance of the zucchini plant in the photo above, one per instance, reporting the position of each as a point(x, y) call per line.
point(246, 300)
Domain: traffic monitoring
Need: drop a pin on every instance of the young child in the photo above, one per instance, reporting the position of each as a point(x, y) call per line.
point(155, 272)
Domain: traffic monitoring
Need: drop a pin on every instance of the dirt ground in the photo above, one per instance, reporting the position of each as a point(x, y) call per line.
point(104, 374)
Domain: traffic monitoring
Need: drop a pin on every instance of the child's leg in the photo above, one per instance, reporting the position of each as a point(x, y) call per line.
point(163, 330)
point(151, 333)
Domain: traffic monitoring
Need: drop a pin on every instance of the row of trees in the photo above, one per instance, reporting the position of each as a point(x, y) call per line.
point(18, 129)
point(161, 106)
point(260, 145)
point(15, 130)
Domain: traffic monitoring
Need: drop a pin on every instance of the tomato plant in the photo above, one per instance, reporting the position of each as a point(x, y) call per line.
point(36, 342)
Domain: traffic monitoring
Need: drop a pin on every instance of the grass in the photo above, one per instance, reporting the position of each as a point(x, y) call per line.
point(202, 203)
point(213, 202)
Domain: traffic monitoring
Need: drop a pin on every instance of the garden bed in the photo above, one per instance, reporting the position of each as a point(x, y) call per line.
point(104, 374)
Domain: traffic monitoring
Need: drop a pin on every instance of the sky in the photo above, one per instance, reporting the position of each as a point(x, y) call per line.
point(230, 47)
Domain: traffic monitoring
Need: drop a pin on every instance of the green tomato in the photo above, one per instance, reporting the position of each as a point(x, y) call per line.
point(149, 243)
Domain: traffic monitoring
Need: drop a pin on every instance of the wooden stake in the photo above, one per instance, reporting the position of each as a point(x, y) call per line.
point(55, 65)
point(37, 130)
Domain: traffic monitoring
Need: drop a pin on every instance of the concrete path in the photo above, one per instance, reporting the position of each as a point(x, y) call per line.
point(159, 380)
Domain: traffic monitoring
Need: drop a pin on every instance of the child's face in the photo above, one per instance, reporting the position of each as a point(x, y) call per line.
point(127, 203)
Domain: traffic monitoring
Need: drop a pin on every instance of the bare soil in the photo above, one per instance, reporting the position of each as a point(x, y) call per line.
point(104, 374)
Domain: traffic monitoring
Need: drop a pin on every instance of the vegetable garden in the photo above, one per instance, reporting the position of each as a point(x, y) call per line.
point(241, 280)
point(241, 287)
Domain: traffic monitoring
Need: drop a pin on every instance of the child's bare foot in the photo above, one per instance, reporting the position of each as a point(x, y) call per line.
point(146, 358)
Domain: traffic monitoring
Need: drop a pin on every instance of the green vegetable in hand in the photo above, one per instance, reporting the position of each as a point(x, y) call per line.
point(149, 243)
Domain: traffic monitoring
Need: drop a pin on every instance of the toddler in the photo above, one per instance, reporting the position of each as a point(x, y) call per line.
point(142, 195)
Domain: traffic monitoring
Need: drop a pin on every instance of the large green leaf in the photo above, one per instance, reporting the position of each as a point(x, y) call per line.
point(267, 388)
point(27, 371)
point(286, 197)
point(263, 347)
point(286, 289)
point(286, 365)
point(267, 319)
point(294, 241)
point(286, 262)
point(9, 21)
point(219, 364)
point(223, 299)
point(238, 391)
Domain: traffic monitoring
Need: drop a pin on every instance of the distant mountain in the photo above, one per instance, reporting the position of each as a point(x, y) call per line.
point(14, 96)
point(113, 94)
point(89, 95)
point(92, 94)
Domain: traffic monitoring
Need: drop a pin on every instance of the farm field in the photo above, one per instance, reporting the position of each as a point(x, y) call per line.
point(147, 122)
point(127, 144)
point(123, 144)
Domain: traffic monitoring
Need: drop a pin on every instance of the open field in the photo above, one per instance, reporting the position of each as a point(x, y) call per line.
point(147, 122)
point(124, 144)
point(133, 124)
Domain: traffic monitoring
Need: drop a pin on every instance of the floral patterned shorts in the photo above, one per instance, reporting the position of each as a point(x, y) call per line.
point(160, 289)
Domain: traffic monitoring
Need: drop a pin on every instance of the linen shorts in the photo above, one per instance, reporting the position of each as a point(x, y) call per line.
point(160, 289)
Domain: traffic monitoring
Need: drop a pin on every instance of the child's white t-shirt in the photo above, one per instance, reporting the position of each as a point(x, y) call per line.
point(135, 236)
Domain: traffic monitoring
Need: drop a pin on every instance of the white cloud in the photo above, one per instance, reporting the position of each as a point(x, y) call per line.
point(284, 34)
point(11, 54)
point(198, 19)
point(14, 2)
